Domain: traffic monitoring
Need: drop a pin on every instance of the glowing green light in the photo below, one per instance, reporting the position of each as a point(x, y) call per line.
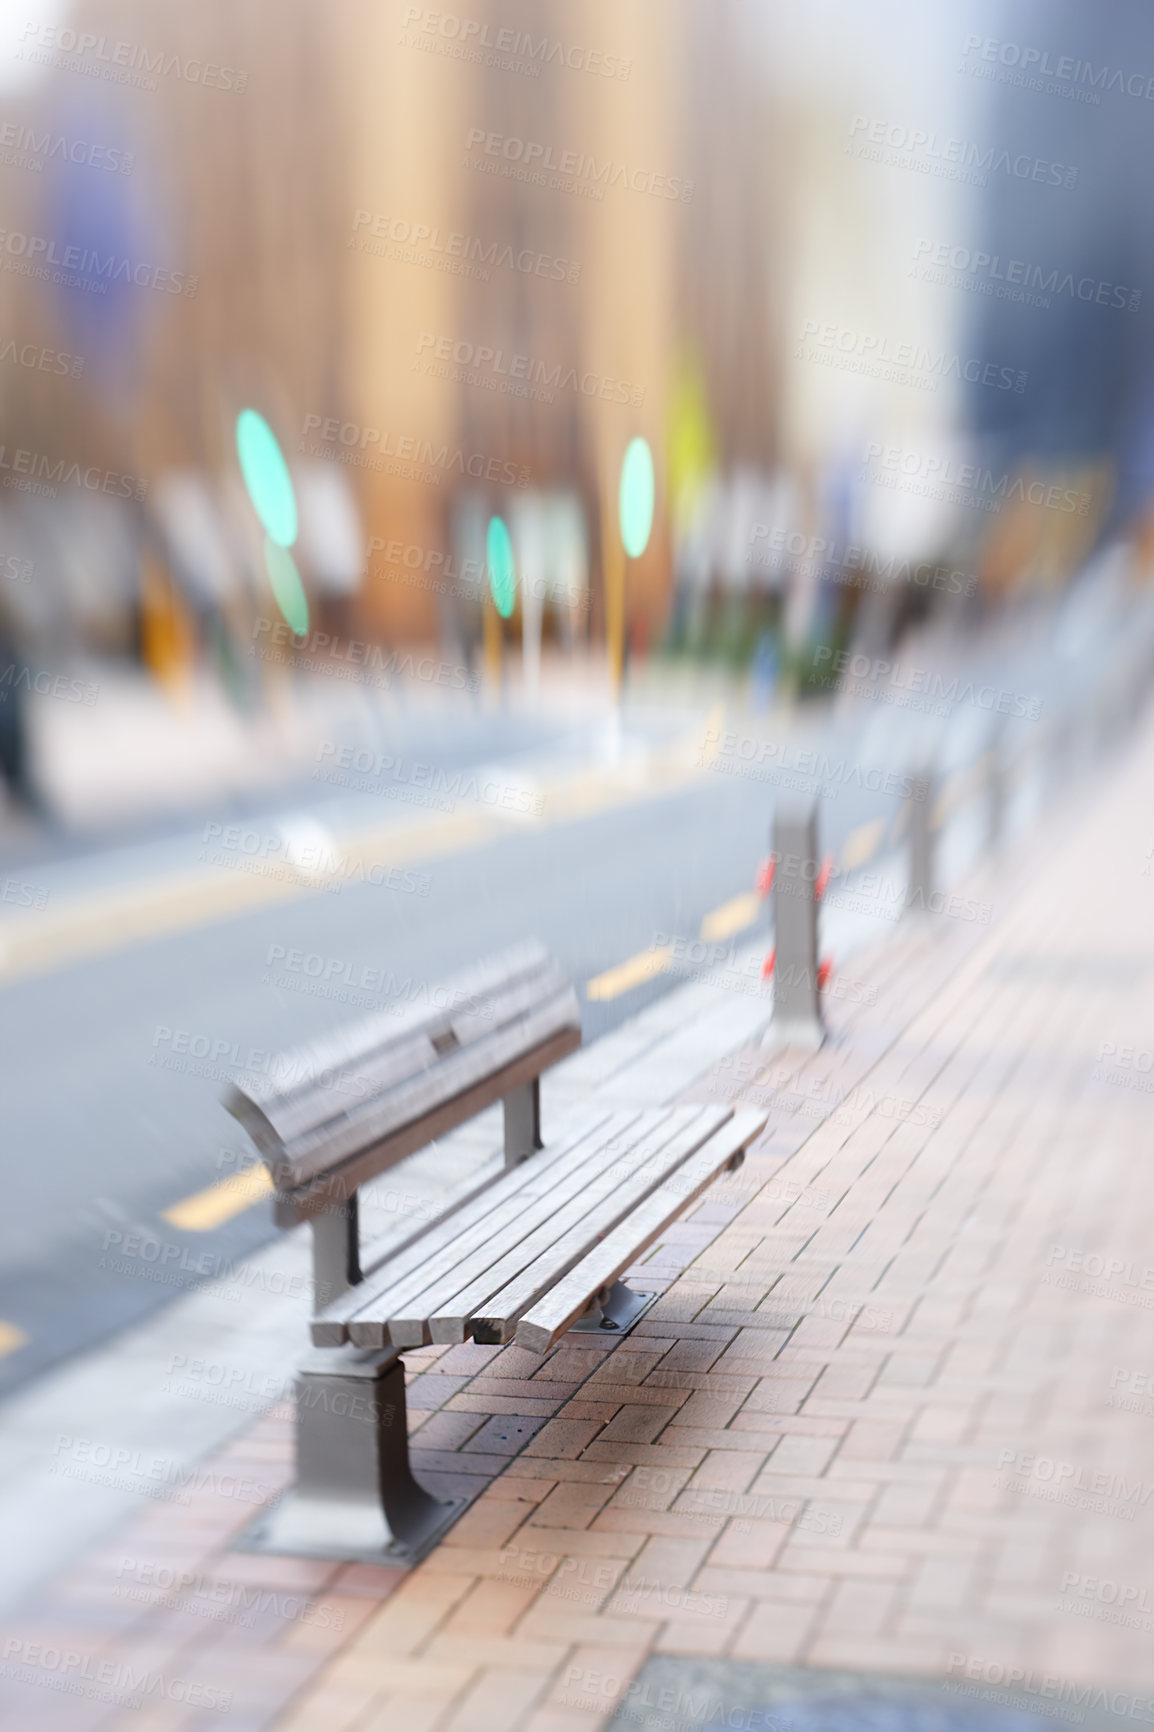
point(266, 476)
point(502, 573)
point(287, 587)
point(635, 502)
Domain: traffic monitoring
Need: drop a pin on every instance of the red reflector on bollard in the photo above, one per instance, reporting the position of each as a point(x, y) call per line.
point(823, 877)
point(767, 965)
point(765, 875)
point(825, 969)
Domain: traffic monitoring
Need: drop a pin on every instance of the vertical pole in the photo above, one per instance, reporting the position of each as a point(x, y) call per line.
point(797, 1019)
point(613, 571)
point(1058, 750)
point(996, 779)
point(530, 541)
point(491, 632)
point(920, 888)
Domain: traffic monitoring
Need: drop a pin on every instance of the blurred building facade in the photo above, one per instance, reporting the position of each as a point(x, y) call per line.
point(458, 261)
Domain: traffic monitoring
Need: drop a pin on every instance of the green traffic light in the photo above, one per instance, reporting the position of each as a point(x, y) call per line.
point(502, 573)
point(635, 501)
point(267, 478)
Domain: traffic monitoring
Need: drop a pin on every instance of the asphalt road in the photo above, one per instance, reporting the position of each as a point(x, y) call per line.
point(103, 1136)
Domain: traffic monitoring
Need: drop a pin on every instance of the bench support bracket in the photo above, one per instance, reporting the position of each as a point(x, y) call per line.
point(613, 1310)
point(355, 1497)
point(522, 1122)
point(336, 1251)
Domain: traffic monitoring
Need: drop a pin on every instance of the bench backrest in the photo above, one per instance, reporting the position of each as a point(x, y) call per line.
point(332, 1114)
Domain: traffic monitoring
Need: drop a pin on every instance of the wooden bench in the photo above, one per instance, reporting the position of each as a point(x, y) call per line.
point(532, 1245)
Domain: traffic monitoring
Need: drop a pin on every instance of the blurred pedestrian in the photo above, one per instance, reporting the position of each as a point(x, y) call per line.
point(15, 683)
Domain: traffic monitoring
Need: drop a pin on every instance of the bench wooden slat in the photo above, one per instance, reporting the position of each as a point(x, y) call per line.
point(515, 998)
point(387, 1066)
point(299, 1204)
point(400, 1317)
point(297, 1071)
point(330, 1326)
point(372, 1121)
point(315, 1084)
point(569, 1235)
point(556, 1310)
point(294, 1116)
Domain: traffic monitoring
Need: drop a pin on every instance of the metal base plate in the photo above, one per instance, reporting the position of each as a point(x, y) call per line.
point(618, 1313)
point(802, 1036)
point(268, 1534)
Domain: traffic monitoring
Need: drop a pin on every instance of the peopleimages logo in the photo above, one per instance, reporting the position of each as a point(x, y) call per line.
point(465, 255)
point(1048, 1685)
point(519, 375)
point(22, 147)
point(1019, 279)
point(1028, 66)
point(877, 357)
point(570, 168)
point(941, 477)
point(915, 147)
point(402, 454)
point(36, 255)
point(119, 62)
point(511, 50)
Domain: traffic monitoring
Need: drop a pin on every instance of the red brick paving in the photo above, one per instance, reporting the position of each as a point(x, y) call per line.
point(892, 1399)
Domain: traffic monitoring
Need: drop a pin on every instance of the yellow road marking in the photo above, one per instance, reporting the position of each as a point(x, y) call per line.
point(108, 920)
point(861, 844)
point(629, 974)
point(732, 916)
point(220, 1202)
point(10, 1338)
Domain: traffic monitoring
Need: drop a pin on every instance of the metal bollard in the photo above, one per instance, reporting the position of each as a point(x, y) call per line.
point(997, 789)
point(920, 888)
point(797, 1019)
point(1059, 741)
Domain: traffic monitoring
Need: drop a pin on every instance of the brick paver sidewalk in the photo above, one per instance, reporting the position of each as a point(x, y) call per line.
point(893, 1412)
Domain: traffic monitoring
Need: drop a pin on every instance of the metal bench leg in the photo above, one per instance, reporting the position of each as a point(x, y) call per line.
point(336, 1251)
point(355, 1497)
point(613, 1310)
point(522, 1123)
point(920, 888)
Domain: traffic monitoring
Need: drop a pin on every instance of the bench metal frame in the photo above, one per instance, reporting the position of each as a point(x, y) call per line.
point(355, 1496)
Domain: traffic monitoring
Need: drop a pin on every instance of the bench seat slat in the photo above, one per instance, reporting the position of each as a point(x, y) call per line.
point(363, 1126)
point(400, 1317)
point(511, 1286)
point(330, 1326)
point(552, 1314)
